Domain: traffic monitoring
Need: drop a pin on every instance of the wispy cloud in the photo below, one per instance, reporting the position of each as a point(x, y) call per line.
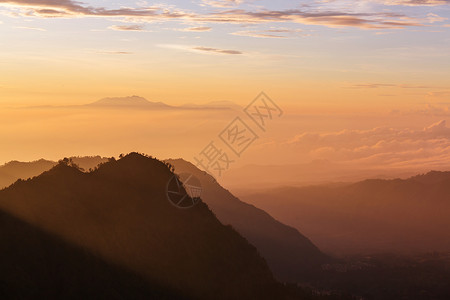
point(384, 20)
point(197, 29)
point(67, 8)
point(386, 85)
point(271, 33)
point(222, 3)
point(127, 27)
point(415, 2)
point(439, 93)
point(310, 16)
point(216, 51)
point(115, 52)
point(201, 49)
point(31, 28)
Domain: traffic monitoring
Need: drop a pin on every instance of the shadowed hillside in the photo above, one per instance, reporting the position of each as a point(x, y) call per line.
point(290, 255)
point(37, 265)
point(120, 213)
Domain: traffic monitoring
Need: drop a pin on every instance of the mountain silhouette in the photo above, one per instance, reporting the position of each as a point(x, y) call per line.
point(130, 102)
point(14, 170)
point(290, 255)
point(140, 103)
point(120, 213)
point(400, 215)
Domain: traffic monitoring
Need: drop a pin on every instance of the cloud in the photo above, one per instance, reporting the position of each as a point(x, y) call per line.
point(416, 2)
point(201, 49)
point(387, 85)
point(216, 51)
point(127, 27)
point(69, 8)
point(271, 33)
point(115, 52)
point(325, 18)
point(378, 146)
point(197, 29)
point(222, 3)
point(31, 28)
point(439, 94)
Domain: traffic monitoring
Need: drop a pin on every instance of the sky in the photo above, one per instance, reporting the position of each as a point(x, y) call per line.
point(329, 53)
point(360, 82)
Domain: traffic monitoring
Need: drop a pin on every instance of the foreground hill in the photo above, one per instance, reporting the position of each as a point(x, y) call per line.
point(290, 255)
point(407, 216)
point(120, 214)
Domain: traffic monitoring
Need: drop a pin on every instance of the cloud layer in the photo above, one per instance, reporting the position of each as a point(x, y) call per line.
point(379, 146)
point(229, 12)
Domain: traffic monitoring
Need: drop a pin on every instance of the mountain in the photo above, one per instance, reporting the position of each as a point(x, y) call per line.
point(120, 213)
point(14, 170)
point(313, 173)
point(140, 103)
point(129, 102)
point(290, 255)
point(400, 215)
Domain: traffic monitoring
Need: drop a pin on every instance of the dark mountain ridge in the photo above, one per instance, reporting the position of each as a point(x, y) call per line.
point(290, 255)
point(120, 212)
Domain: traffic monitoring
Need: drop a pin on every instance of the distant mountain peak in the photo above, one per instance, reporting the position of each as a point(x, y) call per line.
point(130, 101)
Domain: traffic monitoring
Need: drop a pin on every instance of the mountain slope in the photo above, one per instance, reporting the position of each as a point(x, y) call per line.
point(410, 215)
point(290, 255)
point(38, 265)
point(14, 170)
point(120, 213)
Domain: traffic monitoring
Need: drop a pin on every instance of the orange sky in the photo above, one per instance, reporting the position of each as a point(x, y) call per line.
point(339, 70)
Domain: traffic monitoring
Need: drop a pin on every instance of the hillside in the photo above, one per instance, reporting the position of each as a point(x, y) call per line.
point(405, 216)
point(120, 213)
point(39, 265)
point(290, 255)
point(14, 170)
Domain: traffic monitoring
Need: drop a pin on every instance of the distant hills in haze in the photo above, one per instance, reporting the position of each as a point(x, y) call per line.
point(371, 216)
point(137, 102)
point(313, 173)
point(14, 170)
point(133, 101)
